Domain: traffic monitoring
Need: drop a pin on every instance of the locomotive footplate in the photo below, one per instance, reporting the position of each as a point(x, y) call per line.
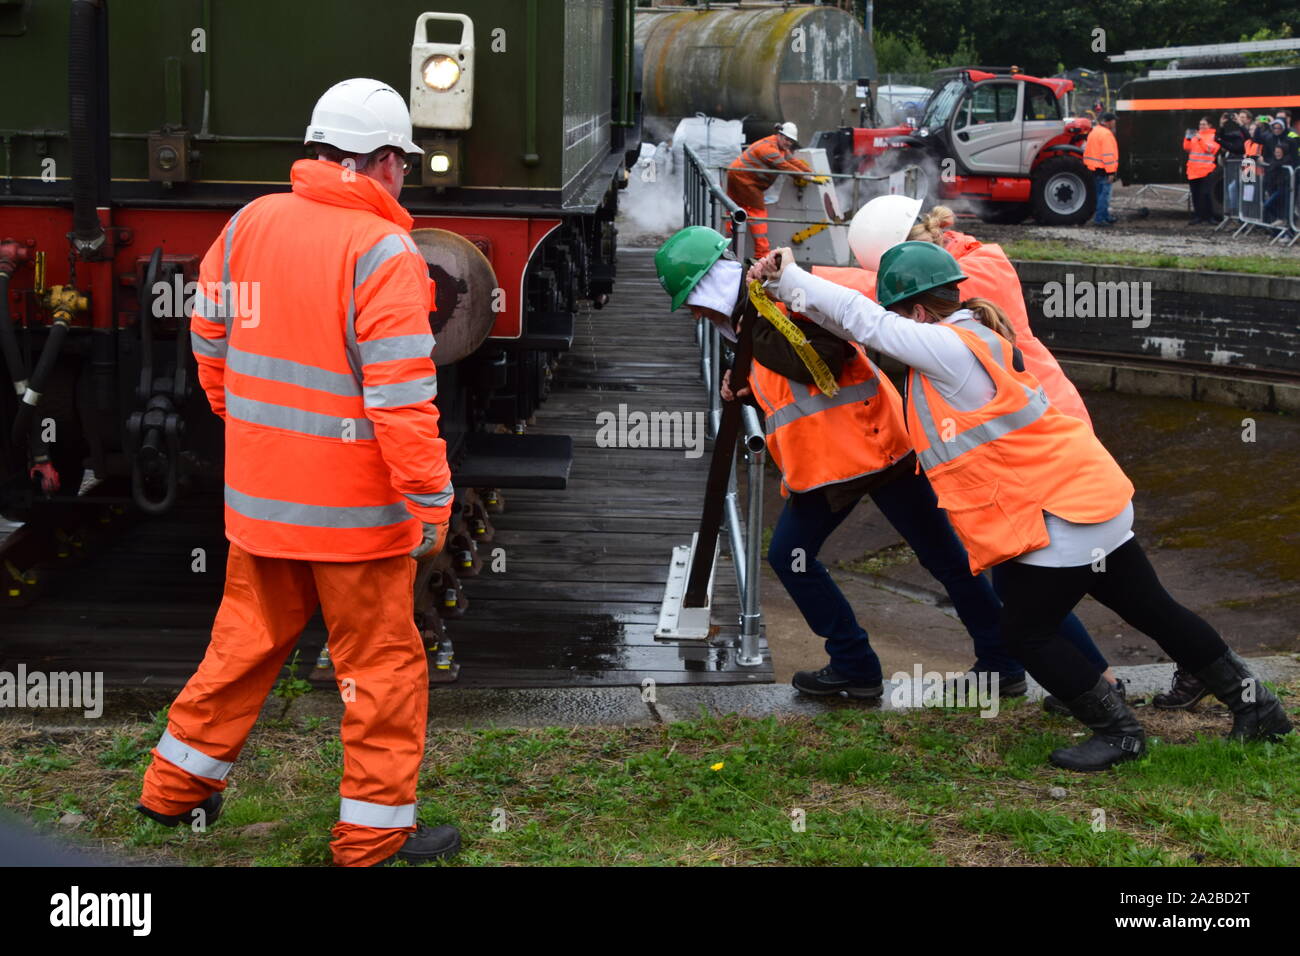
point(515, 461)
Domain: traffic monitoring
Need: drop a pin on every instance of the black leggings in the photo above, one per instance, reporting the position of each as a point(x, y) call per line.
point(1036, 599)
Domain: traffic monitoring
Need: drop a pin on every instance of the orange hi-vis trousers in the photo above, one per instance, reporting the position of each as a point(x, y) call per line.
point(756, 226)
point(383, 676)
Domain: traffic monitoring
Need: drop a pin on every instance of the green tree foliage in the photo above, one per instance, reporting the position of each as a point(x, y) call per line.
point(1038, 35)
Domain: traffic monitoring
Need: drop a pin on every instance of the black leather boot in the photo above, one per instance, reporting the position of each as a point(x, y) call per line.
point(1256, 713)
point(1055, 706)
point(1118, 736)
point(427, 844)
point(208, 811)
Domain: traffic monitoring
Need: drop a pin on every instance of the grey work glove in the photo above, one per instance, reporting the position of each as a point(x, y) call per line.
point(432, 540)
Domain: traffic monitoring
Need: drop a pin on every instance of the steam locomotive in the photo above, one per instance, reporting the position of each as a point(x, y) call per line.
point(130, 142)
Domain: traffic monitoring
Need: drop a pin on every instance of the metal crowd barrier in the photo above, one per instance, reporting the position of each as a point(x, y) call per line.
point(1254, 200)
point(706, 204)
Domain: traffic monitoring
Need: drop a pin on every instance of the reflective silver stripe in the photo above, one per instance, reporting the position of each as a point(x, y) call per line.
point(376, 814)
point(377, 255)
point(293, 373)
point(208, 348)
point(192, 760)
point(991, 338)
point(226, 284)
point(812, 404)
point(350, 336)
point(296, 419)
point(315, 516)
point(436, 500)
point(941, 451)
point(394, 347)
point(402, 393)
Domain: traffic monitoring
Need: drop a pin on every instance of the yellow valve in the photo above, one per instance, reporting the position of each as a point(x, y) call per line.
point(819, 370)
point(64, 301)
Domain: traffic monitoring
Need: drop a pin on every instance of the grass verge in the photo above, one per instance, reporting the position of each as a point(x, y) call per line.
point(851, 786)
point(1055, 249)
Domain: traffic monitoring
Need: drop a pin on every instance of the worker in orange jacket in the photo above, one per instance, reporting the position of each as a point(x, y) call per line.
point(1029, 488)
point(1101, 155)
point(748, 177)
point(1201, 148)
point(336, 476)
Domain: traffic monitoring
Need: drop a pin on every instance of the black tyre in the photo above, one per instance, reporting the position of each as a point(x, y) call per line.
point(1063, 192)
point(1003, 213)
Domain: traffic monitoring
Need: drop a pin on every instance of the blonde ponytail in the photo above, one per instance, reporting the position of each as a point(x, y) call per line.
point(932, 225)
point(992, 316)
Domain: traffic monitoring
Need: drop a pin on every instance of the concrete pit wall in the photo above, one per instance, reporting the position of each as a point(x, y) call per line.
point(1243, 331)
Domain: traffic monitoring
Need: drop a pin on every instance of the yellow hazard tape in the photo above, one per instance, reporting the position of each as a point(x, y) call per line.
point(808, 233)
point(821, 373)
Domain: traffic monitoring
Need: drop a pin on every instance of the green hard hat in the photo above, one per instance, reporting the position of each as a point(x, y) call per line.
point(911, 268)
point(682, 261)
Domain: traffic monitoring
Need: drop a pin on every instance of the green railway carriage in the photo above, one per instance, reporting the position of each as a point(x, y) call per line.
point(139, 127)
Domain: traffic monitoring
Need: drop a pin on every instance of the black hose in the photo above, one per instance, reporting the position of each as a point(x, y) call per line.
point(36, 385)
point(87, 86)
point(9, 341)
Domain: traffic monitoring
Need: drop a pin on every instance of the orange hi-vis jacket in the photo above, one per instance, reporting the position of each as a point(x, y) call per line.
point(746, 179)
point(1200, 151)
point(1101, 152)
point(818, 439)
point(991, 276)
point(327, 385)
point(997, 468)
point(1253, 148)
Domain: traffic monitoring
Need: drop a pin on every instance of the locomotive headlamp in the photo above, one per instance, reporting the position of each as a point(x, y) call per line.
point(442, 76)
point(442, 159)
point(440, 72)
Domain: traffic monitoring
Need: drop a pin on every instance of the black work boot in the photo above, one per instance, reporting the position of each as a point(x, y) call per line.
point(1016, 686)
point(1256, 713)
point(1185, 692)
point(828, 681)
point(1054, 705)
point(1118, 736)
point(427, 844)
point(211, 809)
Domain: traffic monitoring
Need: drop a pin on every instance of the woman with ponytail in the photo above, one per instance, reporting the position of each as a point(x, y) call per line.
point(1028, 489)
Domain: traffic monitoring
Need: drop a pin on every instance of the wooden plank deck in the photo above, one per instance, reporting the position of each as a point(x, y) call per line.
point(585, 567)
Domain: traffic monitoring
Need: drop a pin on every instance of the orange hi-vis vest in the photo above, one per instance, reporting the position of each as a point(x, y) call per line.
point(332, 445)
point(997, 468)
point(818, 439)
point(1200, 151)
point(1101, 152)
point(746, 178)
point(1253, 148)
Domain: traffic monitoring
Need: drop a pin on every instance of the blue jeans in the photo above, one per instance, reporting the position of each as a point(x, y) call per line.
point(909, 504)
point(1103, 197)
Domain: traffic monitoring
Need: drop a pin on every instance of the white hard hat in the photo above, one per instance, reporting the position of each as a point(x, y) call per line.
point(360, 116)
point(879, 225)
point(789, 129)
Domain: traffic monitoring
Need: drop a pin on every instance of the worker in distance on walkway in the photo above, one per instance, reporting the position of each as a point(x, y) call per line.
point(336, 476)
point(886, 221)
point(748, 177)
point(834, 449)
point(1028, 486)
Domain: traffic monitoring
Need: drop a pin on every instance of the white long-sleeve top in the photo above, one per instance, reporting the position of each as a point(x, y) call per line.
point(940, 354)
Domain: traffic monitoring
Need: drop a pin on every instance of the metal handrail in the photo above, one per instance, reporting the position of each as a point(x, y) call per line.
point(705, 203)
